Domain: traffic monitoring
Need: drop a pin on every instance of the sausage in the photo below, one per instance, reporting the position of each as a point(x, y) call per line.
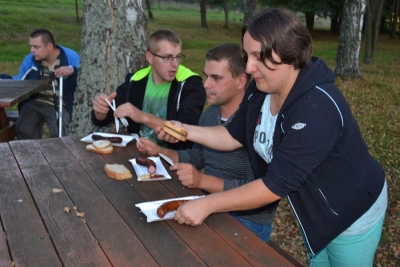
point(112, 139)
point(169, 206)
point(143, 161)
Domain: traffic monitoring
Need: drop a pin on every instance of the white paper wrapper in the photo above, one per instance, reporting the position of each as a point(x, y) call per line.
point(142, 172)
point(125, 138)
point(150, 208)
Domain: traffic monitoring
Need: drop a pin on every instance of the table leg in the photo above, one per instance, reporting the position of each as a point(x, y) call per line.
point(7, 129)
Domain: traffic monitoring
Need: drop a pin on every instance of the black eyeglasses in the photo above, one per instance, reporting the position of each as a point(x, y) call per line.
point(169, 59)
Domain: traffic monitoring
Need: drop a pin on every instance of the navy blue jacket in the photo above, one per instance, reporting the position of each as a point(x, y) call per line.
point(320, 160)
point(30, 70)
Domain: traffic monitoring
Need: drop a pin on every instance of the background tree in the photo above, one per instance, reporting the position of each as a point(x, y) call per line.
point(394, 19)
point(113, 43)
point(203, 16)
point(148, 7)
point(372, 26)
point(77, 11)
point(347, 62)
point(249, 10)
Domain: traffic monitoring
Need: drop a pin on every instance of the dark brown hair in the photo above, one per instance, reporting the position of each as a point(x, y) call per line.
point(47, 37)
point(281, 31)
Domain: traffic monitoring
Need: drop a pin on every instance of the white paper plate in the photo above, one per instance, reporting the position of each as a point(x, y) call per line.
point(125, 138)
point(150, 208)
point(142, 170)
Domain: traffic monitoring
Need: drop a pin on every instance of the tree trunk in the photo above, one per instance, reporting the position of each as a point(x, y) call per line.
point(250, 10)
point(226, 25)
point(310, 21)
point(113, 44)
point(203, 17)
point(347, 62)
point(394, 19)
point(335, 24)
point(372, 26)
point(148, 7)
point(77, 10)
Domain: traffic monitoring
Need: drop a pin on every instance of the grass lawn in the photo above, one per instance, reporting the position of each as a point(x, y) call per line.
point(375, 99)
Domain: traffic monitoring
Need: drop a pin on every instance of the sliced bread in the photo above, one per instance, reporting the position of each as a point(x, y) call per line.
point(106, 150)
point(101, 144)
point(117, 171)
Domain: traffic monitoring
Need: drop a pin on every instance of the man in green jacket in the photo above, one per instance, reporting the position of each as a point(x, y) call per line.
point(165, 90)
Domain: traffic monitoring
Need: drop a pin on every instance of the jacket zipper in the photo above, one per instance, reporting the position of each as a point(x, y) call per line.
point(309, 249)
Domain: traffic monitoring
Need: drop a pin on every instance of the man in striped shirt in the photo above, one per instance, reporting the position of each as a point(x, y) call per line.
point(208, 169)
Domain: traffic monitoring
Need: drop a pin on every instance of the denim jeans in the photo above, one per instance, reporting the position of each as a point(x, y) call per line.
point(263, 231)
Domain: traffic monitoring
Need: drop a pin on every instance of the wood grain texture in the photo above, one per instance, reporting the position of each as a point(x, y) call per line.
point(122, 247)
point(29, 242)
point(75, 243)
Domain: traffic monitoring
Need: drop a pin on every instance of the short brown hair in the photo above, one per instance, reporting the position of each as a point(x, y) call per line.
point(233, 54)
point(281, 31)
point(159, 35)
point(47, 37)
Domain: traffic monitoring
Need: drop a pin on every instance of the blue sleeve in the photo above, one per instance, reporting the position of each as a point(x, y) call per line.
point(26, 66)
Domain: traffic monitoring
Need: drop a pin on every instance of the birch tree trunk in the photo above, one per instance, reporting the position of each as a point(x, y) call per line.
point(347, 61)
point(372, 26)
point(113, 44)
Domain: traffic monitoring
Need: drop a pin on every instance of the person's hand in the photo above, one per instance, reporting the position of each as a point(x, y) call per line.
point(148, 147)
point(64, 71)
point(193, 212)
point(129, 110)
point(188, 174)
point(161, 135)
point(100, 105)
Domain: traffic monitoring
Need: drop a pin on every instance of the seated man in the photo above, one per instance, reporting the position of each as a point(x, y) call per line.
point(46, 56)
point(165, 90)
point(225, 85)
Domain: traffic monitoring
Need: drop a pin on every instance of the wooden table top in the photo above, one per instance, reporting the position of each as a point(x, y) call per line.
point(15, 91)
point(113, 232)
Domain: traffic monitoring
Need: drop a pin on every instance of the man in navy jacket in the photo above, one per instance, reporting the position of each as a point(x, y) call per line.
point(34, 112)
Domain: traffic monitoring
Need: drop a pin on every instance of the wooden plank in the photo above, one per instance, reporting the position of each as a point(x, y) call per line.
point(75, 243)
point(240, 238)
point(5, 260)
point(202, 239)
point(29, 243)
point(159, 239)
point(117, 240)
point(15, 91)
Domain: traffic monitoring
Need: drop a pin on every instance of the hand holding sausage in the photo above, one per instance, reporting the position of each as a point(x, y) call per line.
point(193, 212)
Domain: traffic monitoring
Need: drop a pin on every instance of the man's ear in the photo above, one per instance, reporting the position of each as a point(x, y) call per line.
point(149, 57)
point(242, 80)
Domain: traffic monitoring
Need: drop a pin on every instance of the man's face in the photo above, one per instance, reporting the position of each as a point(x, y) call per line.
point(39, 50)
point(164, 71)
point(219, 84)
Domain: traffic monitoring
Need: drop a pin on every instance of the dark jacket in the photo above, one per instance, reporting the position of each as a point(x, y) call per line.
point(30, 70)
point(186, 100)
point(320, 160)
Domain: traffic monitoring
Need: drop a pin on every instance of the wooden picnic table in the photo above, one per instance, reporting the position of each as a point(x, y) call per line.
point(113, 232)
point(13, 92)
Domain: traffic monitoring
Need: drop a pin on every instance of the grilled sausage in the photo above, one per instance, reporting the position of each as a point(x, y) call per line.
point(143, 161)
point(112, 139)
point(169, 206)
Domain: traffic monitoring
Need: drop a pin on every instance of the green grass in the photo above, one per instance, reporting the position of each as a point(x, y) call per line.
point(375, 100)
